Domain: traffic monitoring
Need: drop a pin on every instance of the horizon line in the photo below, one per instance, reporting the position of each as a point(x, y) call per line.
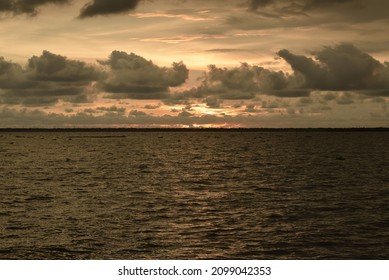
point(145, 129)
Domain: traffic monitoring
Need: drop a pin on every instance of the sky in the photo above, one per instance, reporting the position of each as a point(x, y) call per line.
point(201, 63)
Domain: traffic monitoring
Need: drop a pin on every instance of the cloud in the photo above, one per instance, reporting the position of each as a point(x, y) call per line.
point(27, 7)
point(135, 113)
point(112, 109)
point(256, 4)
point(151, 107)
point(45, 80)
point(312, 13)
point(57, 68)
point(294, 6)
point(184, 14)
point(340, 77)
point(290, 117)
point(346, 98)
point(312, 71)
point(132, 76)
point(226, 50)
point(315, 4)
point(48, 78)
point(246, 82)
point(104, 7)
point(185, 114)
point(212, 102)
point(339, 68)
point(251, 108)
point(342, 67)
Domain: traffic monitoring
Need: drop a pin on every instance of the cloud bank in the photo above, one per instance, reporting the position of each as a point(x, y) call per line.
point(132, 76)
point(333, 79)
point(104, 7)
point(45, 80)
point(29, 7)
point(49, 78)
point(340, 68)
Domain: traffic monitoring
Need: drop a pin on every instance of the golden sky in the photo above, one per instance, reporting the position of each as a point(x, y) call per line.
point(246, 63)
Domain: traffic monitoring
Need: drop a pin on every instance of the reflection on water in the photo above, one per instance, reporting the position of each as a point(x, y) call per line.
point(191, 195)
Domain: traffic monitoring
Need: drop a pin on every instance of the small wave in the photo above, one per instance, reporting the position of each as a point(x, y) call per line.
point(39, 198)
point(97, 136)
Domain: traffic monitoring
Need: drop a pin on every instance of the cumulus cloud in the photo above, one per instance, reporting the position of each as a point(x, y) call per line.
point(135, 113)
point(334, 70)
point(246, 82)
point(104, 7)
point(112, 109)
point(345, 98)
point(341, 67)
point(45, 80)
point(27, 7)
point(235, 83)
point(132, 76)
point(151, 106)
point(58, 68)
point(251, 108)
point(212, 102)
point(48, 78)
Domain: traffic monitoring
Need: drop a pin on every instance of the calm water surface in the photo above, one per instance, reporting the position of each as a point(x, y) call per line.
point(194, 195)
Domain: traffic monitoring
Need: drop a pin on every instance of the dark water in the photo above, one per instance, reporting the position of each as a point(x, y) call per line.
point(194, 195)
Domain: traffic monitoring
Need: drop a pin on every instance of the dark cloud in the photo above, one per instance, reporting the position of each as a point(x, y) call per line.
point(119, 110)
point(135, 113)
point(312, 71)
point(36, 118)
point(314, 4)
point(11, 117)
point(340, 68)
point(345, 98)
point(305, 101)
point(255, 4)
point(335, 13)
point(5, 5)
point(180, 97)
point(27, 6)
point(294, 6)
point(329, 96)
point(245, 82)
point(57, 68)
point(185, 114)
point(291, 93)
point(212, 102)
point(235, 83)
point(378, 100)
point(11, 74)
point(45, 80)
point(151, 107)
point(251, 108)
point(377, 92)
point(132, 76)
point(274, 104)
point(104, 7)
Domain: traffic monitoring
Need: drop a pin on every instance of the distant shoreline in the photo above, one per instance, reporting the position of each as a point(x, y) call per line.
point(356, 129)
